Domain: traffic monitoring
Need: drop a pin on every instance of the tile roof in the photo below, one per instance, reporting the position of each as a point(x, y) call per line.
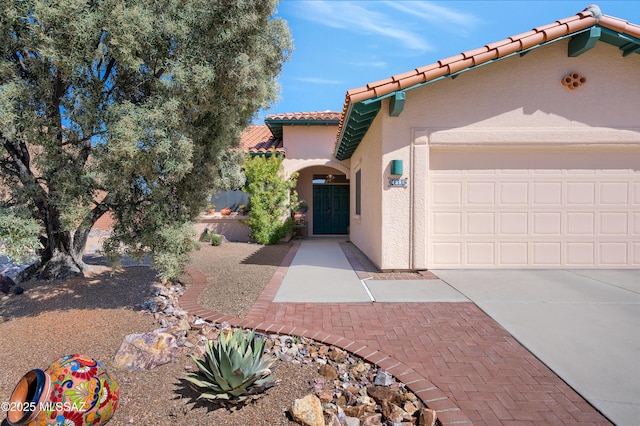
point(258, 140)
point(305, 116)
point(318, 118)
point(589, 17)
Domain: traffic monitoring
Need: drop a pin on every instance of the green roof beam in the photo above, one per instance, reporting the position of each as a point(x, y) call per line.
point(630, 48)
point(584, 41)
point(396, 104)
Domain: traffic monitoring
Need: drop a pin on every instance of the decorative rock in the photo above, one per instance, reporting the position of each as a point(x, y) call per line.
point(383, 379)
point(409, 407)
point(334, 411)
point(144, 351)
point(393, 413)
point(18, 290)
point(382, 394)
point(337, 354)
point(328, 371)
point(308, 411)
point(331, 419)
point(355, 411)
point(427, 417)
point(352, 421)
point(372, 420)
point(324, 396)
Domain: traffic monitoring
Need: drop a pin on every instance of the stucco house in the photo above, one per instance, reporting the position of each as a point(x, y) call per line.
point(523, 153)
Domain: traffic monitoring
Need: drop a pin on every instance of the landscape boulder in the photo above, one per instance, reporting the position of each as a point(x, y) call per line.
point(145, 351)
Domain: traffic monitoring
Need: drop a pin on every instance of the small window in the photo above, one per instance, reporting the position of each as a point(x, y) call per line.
point(358, 191)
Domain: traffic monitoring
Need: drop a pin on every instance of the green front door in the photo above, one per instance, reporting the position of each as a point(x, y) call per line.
point(330, 209)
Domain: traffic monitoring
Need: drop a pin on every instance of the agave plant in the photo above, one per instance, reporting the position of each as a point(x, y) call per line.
point(234, 368)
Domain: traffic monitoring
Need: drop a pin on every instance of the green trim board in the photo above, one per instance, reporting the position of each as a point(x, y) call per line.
point(276, 125)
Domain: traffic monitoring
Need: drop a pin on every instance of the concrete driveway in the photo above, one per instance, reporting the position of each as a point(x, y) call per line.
point(583, 324)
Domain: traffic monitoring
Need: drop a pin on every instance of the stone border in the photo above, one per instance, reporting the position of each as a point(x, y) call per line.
point(448, 412)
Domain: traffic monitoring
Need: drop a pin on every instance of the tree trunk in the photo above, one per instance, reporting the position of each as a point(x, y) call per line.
point(63, 251)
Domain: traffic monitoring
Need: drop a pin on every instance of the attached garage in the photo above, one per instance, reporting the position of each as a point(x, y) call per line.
point(523, 153)
point(534, 208)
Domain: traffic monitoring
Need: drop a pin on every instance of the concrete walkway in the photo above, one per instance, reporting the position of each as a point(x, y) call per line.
point(456, 358)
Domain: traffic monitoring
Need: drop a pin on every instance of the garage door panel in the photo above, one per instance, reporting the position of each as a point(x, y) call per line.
point(547, 223)
point(614, 193)
point(581, 193)
point(562, 208)
point(580, 254)
point(547, 253)
point(581, 223)
point(514, 193)
point(481, 192)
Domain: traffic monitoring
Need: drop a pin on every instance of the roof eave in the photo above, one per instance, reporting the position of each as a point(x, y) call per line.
point(628, 43)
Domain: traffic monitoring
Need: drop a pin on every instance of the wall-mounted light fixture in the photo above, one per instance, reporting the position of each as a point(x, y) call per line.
point(396, 167)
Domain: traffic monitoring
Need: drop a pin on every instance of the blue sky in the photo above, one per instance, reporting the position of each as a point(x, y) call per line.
point(341, 45)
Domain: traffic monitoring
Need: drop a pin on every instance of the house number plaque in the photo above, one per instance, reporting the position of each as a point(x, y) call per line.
point(401, 182)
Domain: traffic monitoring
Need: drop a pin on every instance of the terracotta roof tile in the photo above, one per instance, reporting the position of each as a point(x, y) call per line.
point(620, 25)
point(474, 52)
point(495, 50)
point(375, 84)
point(304, 116)
point(254, 135)
point(257, 139)
point(555, 32)
point(411, 80)
point(532, 40)
point(460, 65)
point(451, 59)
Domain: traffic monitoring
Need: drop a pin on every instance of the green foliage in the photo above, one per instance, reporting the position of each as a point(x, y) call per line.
point(271, 195)
point(234, 368)
point(213, 238)
point(130, 107)
point(230, 174)
point(19, 236)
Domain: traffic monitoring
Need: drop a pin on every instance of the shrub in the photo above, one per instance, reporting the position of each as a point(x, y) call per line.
point(271, 195)
point(212, 238)
point(234, 368)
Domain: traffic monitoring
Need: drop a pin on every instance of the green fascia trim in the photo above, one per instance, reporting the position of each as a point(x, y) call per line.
point(276, 125)
point(584, 41)
point(346, 147)
point(361, 115)
point(626, 43)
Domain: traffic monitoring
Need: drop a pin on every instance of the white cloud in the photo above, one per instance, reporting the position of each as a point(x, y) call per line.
point(369, 64)
point(355, 17)
point(317, 80)
point(435, 14)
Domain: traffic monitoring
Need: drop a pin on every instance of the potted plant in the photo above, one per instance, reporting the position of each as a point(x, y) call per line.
point(211, 208)
point(302, 206)
point(226, 211)
point(242, 209)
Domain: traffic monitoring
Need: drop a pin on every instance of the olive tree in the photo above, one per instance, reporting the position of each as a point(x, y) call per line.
point(127, 107)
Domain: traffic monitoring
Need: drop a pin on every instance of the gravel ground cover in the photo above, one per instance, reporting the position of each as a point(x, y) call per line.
point(92, 315)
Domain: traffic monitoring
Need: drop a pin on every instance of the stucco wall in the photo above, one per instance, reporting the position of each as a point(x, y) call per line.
point(517, 101)
point(366, 230)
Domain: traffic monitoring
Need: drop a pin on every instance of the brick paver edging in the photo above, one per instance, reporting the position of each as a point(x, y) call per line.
point(448, 412)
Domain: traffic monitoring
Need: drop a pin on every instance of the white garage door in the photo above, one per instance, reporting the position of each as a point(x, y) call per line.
point(577, 208)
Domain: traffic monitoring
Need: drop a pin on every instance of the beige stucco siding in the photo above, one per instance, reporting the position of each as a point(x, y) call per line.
point(515, 102)
point(366, 230)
